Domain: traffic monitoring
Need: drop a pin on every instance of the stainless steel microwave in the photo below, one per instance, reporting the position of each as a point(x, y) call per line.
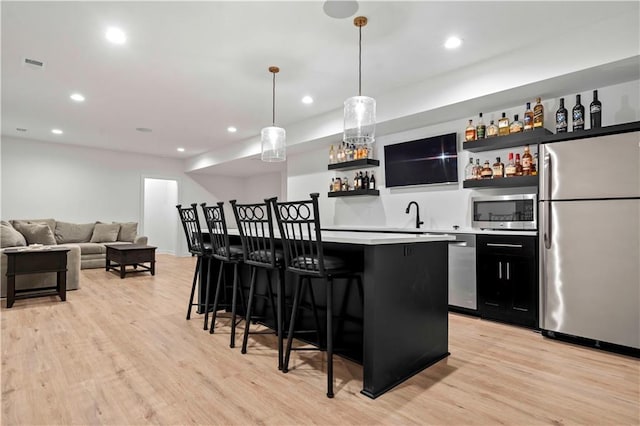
point(505, 212)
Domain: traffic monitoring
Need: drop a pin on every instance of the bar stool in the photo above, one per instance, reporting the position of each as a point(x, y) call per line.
point(195, 245)
point(299, 225)
point(227, 254)
point(255, 223)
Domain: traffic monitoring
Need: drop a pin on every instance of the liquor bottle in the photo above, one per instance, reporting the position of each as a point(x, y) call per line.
point(503, 125)
point(356, 185)
point(470, 132)
point(578, 115)
point(360, 180)
point(528, 118)
point(366, 152)
point(365, 180)
point(468, 171)
point(332, 185)
point(338, 184)
point(332, 155)
point(526, 161)
point(486, 172)
point(562, 121)
point(372, 182)
point(510, 170)
point(498, 169)
point(534, 165)
point(516, 125)
point(518, 166)
point(340, 153)
point(481, 129)
point(595, 111)
point(477, 169)
point(345, 184)
point(492, 130)
point(538, 114)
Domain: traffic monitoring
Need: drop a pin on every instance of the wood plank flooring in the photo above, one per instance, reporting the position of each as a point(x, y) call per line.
point(120, 352)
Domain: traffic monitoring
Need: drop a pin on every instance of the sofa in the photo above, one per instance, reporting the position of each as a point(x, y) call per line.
point(86, 242)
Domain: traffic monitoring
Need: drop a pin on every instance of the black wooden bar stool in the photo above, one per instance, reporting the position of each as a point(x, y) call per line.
point(255, 223)
point(196, 246)
point(299, 225)
point(228, 254)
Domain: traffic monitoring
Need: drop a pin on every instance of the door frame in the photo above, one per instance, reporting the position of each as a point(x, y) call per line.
point(179, 244)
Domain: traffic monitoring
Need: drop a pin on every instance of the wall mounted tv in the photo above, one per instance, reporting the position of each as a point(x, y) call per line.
point(426, 161)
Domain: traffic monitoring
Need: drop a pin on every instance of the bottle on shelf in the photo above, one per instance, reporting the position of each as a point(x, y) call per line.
point(538, 114)
point(534, 165)
point(578, 115)
point(492, 130)
point(372, 182)
point(518, 166)
point(340, 153)
point(562, 120)
point(510, 169)
point(503, 125)
point(365, 181)
point(528, 118)
point(470, 132)
point(477, 169)
point(345, 184)
point(498, 169)
point(526, 161)
point(332, 155)
point(595, 112)
point(356, 185)
point(486, 172)
point(337, 187)
point(332, 185)
point(468, 170)
point(516, 125)
point(481, 129)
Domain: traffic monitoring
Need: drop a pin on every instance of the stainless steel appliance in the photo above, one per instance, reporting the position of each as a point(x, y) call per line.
point(515, 212)
point(590, 238)
point(462, 272)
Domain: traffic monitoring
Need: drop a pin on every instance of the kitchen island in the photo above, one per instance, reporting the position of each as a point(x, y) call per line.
point(403, 325)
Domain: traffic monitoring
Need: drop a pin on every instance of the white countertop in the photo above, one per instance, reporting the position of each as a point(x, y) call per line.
point(344, 228)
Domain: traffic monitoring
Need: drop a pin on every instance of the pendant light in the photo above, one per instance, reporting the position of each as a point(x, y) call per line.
point(273, 138)
point(359, 111)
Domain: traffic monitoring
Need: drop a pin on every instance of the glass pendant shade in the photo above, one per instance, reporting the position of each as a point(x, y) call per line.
point(359, 120)
point(274, 146)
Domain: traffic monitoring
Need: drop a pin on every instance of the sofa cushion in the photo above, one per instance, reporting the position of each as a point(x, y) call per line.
point(51, 223)
point(92, 248)
point(73, 232)
point(36, 233)
point(9, 237)
point(128, 231)
point(105, 233)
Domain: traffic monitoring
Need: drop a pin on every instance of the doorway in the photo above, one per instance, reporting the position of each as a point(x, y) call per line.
point(159, 221)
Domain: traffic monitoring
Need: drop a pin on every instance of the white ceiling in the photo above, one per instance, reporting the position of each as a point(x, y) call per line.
point(190, 69)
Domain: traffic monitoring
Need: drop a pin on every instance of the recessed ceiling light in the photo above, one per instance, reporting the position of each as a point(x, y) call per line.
point(144, 129)
point(231, 129)
point(452, 42)
point(21, 129)
point(307, 100)
point(77, 97)
point(56, 131)
point(180, 149)
point(116, 35)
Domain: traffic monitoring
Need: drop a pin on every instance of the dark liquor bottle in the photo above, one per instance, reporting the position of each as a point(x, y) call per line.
point(481, 129)
point(578, 115)
point(372, 182)
point(518, 166)
point(595, 111)
point(365, 181)
point(561, 118)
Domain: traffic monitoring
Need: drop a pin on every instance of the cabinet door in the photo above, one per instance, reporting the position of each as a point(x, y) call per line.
point(492, 289)
point(521, 273)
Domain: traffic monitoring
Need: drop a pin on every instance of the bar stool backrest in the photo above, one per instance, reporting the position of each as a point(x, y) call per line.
point(192, 230)
point(255, 223)
point(299, 225)
point(214, 216)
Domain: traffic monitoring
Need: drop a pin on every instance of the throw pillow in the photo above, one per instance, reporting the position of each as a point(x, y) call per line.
point(50, 222)
point(128, 231)
point(105, 233)
point(36, 233)
point(9, 237)
point(73, 232)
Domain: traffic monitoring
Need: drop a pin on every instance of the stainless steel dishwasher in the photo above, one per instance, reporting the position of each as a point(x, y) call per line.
point(462, 272)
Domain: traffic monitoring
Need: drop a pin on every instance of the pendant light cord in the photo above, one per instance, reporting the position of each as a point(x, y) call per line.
point(274, 100)
point(360, 62)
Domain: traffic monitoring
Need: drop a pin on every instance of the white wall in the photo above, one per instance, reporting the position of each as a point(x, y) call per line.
point(441, 206)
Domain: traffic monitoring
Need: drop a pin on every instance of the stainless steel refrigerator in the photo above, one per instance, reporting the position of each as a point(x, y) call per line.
point(589, 223)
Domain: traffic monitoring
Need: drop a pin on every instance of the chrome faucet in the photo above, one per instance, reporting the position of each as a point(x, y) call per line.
point(418, 222)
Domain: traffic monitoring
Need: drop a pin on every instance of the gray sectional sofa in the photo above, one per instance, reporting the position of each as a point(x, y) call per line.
point(85, 240)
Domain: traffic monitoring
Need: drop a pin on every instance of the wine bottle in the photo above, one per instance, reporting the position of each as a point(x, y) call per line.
point(561, 118)
point(595, 111)
point(372, 182)
point(578, 115)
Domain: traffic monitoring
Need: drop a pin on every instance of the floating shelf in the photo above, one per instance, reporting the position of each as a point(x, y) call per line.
point(591, 133)
point(354, 164)
point(354, 193)
point(531, 137)
point(512, 182)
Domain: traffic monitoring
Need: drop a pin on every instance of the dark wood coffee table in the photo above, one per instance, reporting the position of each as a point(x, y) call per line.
point(36, 261)
point(123, 255)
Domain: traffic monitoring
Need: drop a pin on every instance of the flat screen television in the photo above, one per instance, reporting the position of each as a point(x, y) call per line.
point(425, 161)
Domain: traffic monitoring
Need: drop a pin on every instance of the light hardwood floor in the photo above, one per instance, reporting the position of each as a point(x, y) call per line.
point(120, 352)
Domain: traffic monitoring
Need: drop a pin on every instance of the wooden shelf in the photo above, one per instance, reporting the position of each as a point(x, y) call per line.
point(356, 192)
point(532, 137)
point(354, 164)
point(512, 182)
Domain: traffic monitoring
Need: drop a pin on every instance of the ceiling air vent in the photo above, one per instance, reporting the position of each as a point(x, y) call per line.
point(33, 63)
